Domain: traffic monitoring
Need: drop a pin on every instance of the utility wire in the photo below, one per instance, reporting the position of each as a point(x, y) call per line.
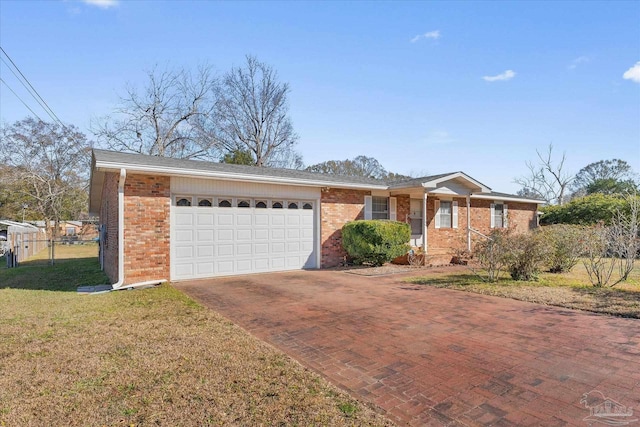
point(32, 90)
point(23, 103)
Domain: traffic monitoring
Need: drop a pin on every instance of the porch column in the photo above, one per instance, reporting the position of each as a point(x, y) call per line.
point(424, 222)
point(469, 222)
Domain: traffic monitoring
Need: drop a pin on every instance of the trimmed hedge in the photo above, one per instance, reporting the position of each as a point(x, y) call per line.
point(375, 241)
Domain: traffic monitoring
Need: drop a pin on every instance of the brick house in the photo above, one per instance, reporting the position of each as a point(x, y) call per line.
point(169, 219)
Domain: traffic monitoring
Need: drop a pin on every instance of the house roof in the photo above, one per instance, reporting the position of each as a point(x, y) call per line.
point(494, 195)
point(110, 161)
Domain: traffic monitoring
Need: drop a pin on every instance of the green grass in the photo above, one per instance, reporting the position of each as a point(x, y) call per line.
point(143, 357)
point(570, 290)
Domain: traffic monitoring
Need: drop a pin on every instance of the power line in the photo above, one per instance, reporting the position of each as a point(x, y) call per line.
point(23, 103)
point(31, 89)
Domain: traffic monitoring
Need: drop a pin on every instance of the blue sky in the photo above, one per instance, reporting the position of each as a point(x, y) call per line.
point(424, 87)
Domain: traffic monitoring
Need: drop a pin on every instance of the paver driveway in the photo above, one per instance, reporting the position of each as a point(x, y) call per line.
point(430, 356)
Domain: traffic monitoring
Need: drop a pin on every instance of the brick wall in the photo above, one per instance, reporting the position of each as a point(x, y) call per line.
point(521, 218)
point(146, 228)
point(109, 219)
point(337, 207)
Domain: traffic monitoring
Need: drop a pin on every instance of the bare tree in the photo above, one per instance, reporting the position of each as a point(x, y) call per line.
point(253, 116)
point(614, 246)
point(166, 118)
point(547, 178)
point(46, 165)
point(358, 166)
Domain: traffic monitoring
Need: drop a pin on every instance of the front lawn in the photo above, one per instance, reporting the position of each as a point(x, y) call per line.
point(571, 290)
point(143, 357)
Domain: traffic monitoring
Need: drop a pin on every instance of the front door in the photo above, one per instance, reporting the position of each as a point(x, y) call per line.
point(415, 217)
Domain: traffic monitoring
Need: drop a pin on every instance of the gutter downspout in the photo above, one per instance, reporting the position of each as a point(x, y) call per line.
point(123, 177)
point(469, 222)
point(424, 221)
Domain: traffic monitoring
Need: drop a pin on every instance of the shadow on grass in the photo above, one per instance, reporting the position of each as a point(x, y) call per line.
point(66, 275)
point(612, 301)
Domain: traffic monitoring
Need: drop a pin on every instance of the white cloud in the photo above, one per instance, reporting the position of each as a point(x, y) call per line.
point(507, 75)
point(580, 60)
point(103, 4)
point(433, 35)
point(633, 73)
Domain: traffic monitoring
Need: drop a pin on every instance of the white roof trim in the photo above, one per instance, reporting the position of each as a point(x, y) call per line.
point(229, 176)
point(434, 183)
point(506, 199)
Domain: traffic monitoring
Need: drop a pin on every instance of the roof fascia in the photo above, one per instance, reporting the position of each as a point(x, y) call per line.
point(434, 183)
point(231, 176)
point(504, 198)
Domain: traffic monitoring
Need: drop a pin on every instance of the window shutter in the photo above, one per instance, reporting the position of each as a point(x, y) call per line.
point(393, 203)
point(368, 206)
point(493, 211)
point(505, 224)
point(436, 204)
point(454, 214)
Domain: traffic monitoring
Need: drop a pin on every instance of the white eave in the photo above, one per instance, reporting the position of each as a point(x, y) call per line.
point(435, 183)
point(231, 176)
point(506, 198)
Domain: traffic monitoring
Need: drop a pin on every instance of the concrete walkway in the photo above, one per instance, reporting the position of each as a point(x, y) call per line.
point(430, 356)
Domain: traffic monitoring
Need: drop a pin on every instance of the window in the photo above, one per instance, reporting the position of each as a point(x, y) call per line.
point(498, 215)
point(276, 205)
point(224, 203)
point(293, 205)
point(261, 204)
point(183, 201)
point(204, 202)
point(244, 203)
point(379, 208)
point(445, 214)
point(307, 206)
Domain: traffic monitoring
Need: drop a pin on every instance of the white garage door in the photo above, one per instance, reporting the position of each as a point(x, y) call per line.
point(221, 236)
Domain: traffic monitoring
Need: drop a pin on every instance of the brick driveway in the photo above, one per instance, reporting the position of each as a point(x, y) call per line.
point(430, 356)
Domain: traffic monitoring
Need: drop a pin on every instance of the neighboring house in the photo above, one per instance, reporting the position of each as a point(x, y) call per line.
point(84, 230)
point(163, 218)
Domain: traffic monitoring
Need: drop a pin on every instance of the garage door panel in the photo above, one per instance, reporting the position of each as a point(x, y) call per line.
point(243, 234)
point(244, 265)
point(205, 251)
point(261, 248)
point(261, 219)
point(293, 247)
point(184, 252)
point(277, 263)
point(293, 233)
point(224, 267)
point(224, 218)
point(261, 264)
point(225, 235)
point(243, 249)
point(184, 218)
point(277, 247)
point(225, 250)
point(243, 219)
point(277, 219)
point(261, 235)
point(218, 241)
point(205, 219)
point(205, 268)
point(204, 235)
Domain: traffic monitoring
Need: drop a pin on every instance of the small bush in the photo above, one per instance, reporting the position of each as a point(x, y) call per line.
point(567, 245)
point(525, 255)
point(375, 241)
point(490, 254)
